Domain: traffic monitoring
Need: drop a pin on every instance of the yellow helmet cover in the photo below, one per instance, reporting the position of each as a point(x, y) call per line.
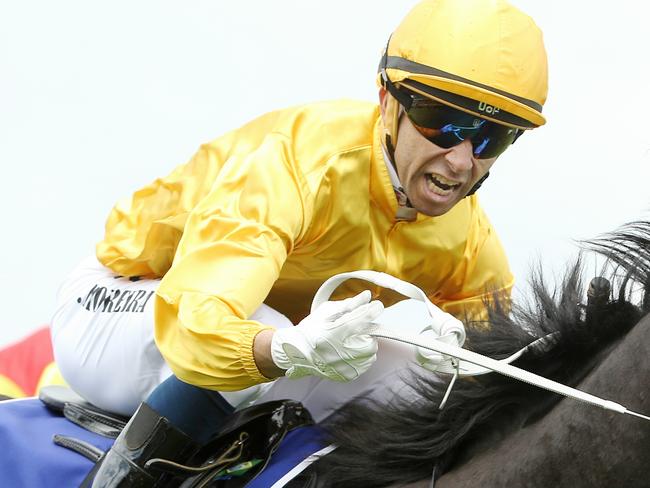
point(483, 56)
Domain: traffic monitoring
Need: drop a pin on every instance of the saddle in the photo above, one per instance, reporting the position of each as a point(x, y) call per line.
point(252, 443)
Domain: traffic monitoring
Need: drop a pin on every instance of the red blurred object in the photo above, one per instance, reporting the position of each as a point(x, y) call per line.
point(24, 361)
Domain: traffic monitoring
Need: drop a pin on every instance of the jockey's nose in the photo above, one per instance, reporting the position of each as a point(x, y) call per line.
point(460, 157)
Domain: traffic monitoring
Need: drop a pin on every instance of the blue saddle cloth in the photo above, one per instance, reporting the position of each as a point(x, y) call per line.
point(30, 458)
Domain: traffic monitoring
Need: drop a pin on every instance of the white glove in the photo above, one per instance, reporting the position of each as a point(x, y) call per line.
point(332, 342)
point(446, 324)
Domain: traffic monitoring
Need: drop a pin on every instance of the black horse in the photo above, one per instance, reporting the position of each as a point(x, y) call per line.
point(497, 432)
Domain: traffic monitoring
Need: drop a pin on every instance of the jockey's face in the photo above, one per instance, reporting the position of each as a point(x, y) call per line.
point(434, 179)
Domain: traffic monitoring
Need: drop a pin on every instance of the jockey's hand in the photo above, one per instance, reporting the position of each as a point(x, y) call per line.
point(445, 324)
point(332, 342)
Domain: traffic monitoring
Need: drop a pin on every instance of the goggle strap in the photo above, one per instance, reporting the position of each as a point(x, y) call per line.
point(403, 98)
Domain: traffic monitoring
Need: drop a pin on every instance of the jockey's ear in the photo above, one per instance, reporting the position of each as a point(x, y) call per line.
point(382, 101)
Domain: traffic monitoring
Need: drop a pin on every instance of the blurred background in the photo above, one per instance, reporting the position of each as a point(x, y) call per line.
point(99, 98)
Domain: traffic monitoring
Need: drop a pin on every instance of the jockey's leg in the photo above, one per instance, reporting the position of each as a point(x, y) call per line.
point(199, 415)
point(103, 338)
point(104, 346)
point(173, 424)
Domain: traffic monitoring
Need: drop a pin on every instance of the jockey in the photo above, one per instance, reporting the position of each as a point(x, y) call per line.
point(219, 259)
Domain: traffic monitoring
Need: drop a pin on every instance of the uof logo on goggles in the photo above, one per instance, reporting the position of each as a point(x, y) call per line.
point(446, 127)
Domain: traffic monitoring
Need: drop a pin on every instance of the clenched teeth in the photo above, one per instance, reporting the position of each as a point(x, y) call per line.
point(440, 185)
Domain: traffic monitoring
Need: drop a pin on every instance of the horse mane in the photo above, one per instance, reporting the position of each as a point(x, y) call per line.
point(407, 440)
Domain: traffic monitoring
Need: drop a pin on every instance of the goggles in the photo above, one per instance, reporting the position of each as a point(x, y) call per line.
point(447, 127)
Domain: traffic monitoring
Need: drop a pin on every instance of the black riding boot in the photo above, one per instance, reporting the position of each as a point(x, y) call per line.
point(148, 435)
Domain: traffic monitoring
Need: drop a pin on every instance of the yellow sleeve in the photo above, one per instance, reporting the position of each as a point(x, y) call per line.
point(233, 247)
point(142, 231)
point(486, 275)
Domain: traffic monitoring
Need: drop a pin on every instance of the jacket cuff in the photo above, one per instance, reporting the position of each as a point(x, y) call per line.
point(247, 356)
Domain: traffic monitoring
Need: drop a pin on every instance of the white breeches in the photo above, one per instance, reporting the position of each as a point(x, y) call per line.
point(103, 339)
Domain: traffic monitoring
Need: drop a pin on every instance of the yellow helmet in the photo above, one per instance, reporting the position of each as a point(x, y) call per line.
point(484, 57)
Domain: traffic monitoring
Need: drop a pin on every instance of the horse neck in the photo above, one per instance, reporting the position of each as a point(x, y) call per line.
point(578, 444)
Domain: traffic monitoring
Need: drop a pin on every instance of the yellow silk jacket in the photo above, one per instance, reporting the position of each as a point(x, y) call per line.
point(268, 212)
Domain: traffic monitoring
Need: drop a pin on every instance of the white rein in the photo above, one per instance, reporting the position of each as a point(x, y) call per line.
point(456, 360)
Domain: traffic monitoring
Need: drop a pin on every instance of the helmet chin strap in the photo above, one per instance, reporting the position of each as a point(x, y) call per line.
point(477, 185)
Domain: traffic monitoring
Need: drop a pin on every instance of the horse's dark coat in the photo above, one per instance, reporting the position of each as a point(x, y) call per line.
point(577, 445)
point(505, 432)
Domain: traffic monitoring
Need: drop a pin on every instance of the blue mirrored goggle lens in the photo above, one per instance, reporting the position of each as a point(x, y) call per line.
point(446, 127)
